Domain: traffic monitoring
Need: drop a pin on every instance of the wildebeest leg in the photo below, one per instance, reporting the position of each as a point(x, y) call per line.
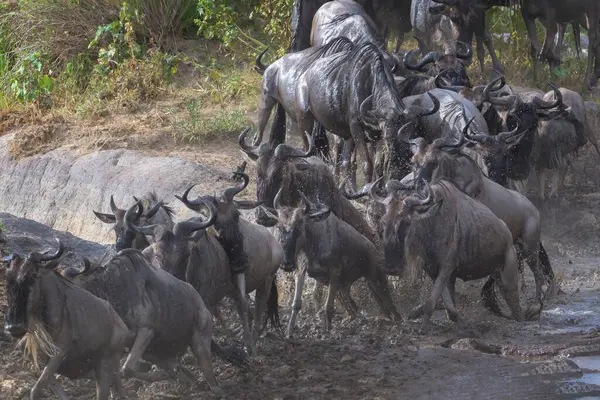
point(438, 287)
point(480, 51)
point(200, 346)
point(265, 106)
point(359, 138)
point(46, 377)
point(241, 304)
point(381, 291)
point(142, 340)
point(338, 149)
point(260, 302)
point(489, 43)
point(103, 380)
point(348, 302)
point(541, 175)
point(449, 298)
point(57, 389)
point(297, 304)
point(330, 303)
point(558, 180)
point(548, 46)
point(347, 162)
point(509, 284)
point(535, 43)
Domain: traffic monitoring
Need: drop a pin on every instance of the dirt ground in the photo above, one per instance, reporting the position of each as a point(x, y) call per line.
point(487, 358)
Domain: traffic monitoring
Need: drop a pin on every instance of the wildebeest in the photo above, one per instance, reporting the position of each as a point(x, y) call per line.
point(392, 16)
point(73, 331)
point(353, 94)
point(251, 250)
point(558, 140)
point(279, 84)
point(443, 160)
point(553, 12)
point(165, 314)
point(153, 212)
point(450, 235)
point(337, 255)
point(506, 113)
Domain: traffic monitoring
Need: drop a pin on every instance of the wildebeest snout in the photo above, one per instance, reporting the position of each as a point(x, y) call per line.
point(16, 330)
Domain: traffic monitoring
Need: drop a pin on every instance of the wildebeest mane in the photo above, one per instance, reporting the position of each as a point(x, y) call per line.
point(337, 45)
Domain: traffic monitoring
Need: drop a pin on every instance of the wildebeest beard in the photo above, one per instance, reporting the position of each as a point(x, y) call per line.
point(394, 250)
point(231, 239)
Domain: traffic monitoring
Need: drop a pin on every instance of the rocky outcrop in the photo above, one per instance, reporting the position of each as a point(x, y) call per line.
point(60, 190)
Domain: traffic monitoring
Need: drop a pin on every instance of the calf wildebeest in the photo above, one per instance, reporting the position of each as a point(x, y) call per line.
point(251, 250)
point(392, 16)
point(349, 92)
point(337, 255)
point(153, 212)
point(558, 140)
point(165, 314)
point(443, 160)
point(73, 331)
point(450, 235)
point(279, 84)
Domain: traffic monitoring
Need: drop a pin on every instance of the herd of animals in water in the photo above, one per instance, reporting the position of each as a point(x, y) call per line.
point(444, 164)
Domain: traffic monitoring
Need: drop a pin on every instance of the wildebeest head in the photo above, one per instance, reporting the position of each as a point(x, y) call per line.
point(290, 225)
point(475, 94)
point(402, 209)
point(435, 159)
point(170, 250)
point(127, 238)
point(21, 277)
point(461, 12)
point(447, 68)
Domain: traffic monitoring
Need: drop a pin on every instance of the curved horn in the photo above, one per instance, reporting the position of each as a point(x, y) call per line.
point(393, 185)
point(440, 85)
point(230, 193)
point(283, 151)
point(375, 196)
point(364, 191)
point(433, 110)
point(113, 206)
point(151, 212)
point(490, 87)
point(474, 138)
point(251, 151)
point(430, 57)
point(259, 66)
point(186, 228)
point(504, 101)
point(544, 105)
point(184, 197)
point(53, 256)
point(364, 112)
point(306, 201)
point(277, 200)
point(414, 201)
point(468, 50)
point(504, 136)
point(136, 210)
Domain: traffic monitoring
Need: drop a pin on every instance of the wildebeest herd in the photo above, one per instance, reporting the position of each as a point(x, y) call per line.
point(444, 165)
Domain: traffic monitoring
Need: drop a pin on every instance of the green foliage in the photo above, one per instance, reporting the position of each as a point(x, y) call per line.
point(31, 81)
point(197, 127)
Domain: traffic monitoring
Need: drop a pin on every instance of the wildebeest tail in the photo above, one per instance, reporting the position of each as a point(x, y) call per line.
point(321, 141)
point(258, 65)
point(273, 307)
point(232, 355)
point(489, 298)
point(278, 128)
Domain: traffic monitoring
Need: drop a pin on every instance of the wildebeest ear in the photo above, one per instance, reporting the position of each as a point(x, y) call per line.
point(265, 218)
point(319, 215)
point(106, 218)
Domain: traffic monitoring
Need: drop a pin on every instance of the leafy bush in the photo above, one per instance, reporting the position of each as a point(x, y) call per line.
point(31, 81)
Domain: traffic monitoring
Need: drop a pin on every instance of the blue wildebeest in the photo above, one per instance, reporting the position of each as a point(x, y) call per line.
point(164, 314)
point(449, 235)
point(337, 255)
point(251, 250)
point(73, 331)
point(152, 212)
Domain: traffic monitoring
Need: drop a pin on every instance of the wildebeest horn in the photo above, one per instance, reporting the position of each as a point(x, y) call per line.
point(259, 66)
point(266, 218)
point(394, 185)
point(376, 197)
point(504, 101)
point(490, 87)
point(364, 191)
point(151, 212)
point(136, 210)
point(113, 206)
point(364, 111)
point(135, 198)
point(277, 200)
point(413, 201)
point(508, 137)
point(42, 257)
point(283, 151)
point(454, 147)
point(184, 197)
point(251, 151)
point(483, 139)
point(230, 193)
point(468, 50)
point(440, 85)
point(402, 129)
point(433, 110)
point(544, 105)
point(186, 228)
point(430, 57)
point(306, 201)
